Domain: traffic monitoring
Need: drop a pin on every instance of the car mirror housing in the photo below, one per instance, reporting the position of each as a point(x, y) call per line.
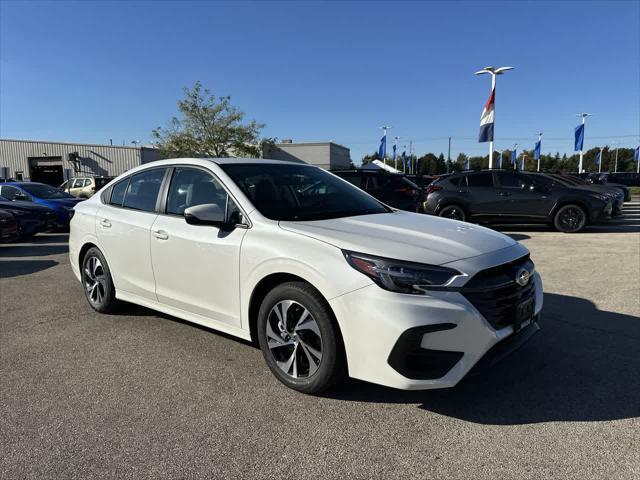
point(205, 214)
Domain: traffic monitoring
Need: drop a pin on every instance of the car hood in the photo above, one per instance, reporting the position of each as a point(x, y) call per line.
point(24, 206)
point(403, 235)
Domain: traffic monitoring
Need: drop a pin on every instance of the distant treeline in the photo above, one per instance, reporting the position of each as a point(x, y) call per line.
point(430, 164)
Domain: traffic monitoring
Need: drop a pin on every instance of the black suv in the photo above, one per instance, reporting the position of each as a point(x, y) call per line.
point(505, 196)
point(393, 189)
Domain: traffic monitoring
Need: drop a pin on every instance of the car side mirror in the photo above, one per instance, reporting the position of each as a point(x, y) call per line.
point(205, 214)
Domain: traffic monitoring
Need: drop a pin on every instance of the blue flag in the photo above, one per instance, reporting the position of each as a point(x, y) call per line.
point(536, 151)
point(579, 138)
point(382, 151)
point(393, 157)
point(636, 154)
point(514, 156)
point(404, 160)
point(598, 157)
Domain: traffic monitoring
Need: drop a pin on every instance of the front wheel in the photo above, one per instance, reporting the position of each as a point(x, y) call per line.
point(454, 212)
point(570, 219)
point(299, 338)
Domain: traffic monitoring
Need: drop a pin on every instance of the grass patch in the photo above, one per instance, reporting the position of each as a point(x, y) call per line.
point(635, 190)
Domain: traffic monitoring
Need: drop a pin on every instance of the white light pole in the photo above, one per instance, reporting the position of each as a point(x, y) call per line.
point(584, 117)
point(540, 152)
point(493, 71)
point(615, 166)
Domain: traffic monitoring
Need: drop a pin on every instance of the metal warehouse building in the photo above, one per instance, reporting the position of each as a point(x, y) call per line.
point(327, 155)
point(54, 162)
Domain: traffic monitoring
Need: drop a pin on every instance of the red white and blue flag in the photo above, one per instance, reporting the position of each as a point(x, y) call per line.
point(486, 120)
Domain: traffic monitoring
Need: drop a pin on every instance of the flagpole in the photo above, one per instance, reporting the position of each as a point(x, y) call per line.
point(615, 168)
point(395, 160)
point(584, 117)
point(412, 168)
point(600, 162)
point(493, 89)
point(540, 149)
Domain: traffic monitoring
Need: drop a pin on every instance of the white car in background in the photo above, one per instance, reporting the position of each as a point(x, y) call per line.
point(326, 279)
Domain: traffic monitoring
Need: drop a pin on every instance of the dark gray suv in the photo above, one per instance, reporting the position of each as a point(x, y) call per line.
point(505, 196)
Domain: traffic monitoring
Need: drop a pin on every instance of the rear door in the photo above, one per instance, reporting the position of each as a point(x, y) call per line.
point(124, 229)
point(481, 195)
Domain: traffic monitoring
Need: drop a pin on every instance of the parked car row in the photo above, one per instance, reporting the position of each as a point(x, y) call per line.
point(28, 208)
point(565, 202)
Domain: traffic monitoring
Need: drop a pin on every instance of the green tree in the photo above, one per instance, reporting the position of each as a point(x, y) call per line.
point(209, 127)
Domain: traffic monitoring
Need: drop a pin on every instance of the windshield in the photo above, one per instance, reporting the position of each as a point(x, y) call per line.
point(300, 192)
point(40, 190)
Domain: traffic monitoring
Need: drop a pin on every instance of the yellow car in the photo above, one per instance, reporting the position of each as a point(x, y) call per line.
point(84, 187)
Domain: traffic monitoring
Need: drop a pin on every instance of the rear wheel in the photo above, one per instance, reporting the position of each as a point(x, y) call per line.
point(454, 212)
point(96, 280)
point(299, 338)
point(570, 219)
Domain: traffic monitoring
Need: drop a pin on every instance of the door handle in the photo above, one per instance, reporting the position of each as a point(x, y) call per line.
point(160, 234)
point(504, 194)
point(105, 223)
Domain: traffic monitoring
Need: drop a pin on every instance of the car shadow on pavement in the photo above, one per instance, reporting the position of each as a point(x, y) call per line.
point(16, 268)
point(33, 250)
point(582, 366)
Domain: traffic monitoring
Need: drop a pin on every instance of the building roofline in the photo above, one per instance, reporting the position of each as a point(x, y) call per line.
point(72, 143)
point(310, 144)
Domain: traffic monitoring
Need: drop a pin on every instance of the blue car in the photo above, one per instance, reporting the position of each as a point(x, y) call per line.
point(60, 202)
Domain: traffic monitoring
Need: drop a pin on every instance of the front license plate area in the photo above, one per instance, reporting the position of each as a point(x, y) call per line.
point(524, 314)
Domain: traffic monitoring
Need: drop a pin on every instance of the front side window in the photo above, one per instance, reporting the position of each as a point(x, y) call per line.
point(192, 186)
point(299, 192)
point(143, 189)
point(77, 183)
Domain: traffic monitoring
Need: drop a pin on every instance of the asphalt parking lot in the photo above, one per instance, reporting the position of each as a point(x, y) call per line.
point(138, 394)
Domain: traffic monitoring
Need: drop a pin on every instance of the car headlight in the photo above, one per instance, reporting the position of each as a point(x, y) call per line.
point(400, 276)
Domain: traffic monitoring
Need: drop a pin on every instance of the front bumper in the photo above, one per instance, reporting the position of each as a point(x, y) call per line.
point(373, 320)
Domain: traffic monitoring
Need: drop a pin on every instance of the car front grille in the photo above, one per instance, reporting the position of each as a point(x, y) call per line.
point(495, 293)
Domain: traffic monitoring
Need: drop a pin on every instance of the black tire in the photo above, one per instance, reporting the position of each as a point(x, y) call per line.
point(298, 344)
point(454, 212)
point(570, 218)
point(97, 282)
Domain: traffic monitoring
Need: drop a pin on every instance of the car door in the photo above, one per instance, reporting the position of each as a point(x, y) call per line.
point(524, 198)
point(197, 266)
point(124, 229)
point(481, 196)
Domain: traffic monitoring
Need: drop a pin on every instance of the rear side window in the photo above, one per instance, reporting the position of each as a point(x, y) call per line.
point(117, 192)
point(142, 191)
point(87, 182)
point(484, 179)
point(351, 177)
point(455, 181)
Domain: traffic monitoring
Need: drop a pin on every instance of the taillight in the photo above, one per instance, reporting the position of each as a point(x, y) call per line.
point(406, 190)
point(433, 188)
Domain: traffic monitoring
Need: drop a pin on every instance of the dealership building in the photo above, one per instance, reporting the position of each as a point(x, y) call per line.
point(55, 162)
point(327, 155)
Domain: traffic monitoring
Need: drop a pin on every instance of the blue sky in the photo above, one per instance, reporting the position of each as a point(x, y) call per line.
point(316, 71)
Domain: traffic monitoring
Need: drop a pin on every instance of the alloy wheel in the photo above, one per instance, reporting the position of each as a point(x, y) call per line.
point(454, 213)
point(294, 339)
point(571, 218)
point(94, 280)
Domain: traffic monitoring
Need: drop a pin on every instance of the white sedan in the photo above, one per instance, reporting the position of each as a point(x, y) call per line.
point(326, 279)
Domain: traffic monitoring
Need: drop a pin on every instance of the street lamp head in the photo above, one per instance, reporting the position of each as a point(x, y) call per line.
point(583, 115)
point(493, 70)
